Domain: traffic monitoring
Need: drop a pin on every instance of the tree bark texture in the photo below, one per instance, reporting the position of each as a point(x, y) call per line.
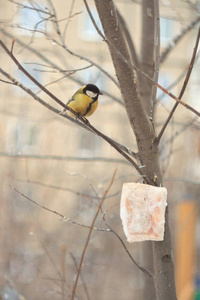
point(144, 132)
point(148, 64)
point(147, 52)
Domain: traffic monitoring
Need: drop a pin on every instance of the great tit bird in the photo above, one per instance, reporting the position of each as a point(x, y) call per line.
point(85, 101)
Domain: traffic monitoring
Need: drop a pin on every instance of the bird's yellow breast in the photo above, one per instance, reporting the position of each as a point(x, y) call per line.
point(82, 104)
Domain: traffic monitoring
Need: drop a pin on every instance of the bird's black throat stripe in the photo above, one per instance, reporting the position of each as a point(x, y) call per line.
point(90, 105)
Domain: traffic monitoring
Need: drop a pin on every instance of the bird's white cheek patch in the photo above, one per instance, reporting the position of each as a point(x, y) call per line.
point(91, 94)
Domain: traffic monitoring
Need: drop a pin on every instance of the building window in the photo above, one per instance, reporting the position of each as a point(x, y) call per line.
point(86, 28)
point(166, 80)
point(21, 137)
point(31, 17)
point(28, 83)
point(165, 30)
point(169, 29)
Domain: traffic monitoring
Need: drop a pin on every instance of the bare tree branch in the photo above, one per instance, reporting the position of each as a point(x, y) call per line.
point(177, 80)
point(126, 60)
point(89, 235)
point(146, 272)
point(30, 7)
point(51, 259)
point(81, 276)
point(51, 63)
point(156, 55)
point(69, 19)
point(178, 100)
point(118, 53)
point(63, 218)
point(179, 132)
point(147, 52)
point(74, 120)
point(64, 46)
point(86, 196)
point(55, 19)
point(67, 158)
point(131, 46)
point(183, 89)
point(83, 120)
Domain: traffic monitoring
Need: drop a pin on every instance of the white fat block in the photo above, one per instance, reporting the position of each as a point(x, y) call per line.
point(142, 211)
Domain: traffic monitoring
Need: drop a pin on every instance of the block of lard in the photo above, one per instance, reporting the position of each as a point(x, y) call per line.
point(142, 211)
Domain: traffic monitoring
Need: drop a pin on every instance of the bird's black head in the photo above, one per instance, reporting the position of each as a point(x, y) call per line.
point(92, 91)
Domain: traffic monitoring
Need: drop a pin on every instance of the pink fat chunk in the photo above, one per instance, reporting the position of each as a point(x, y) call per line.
point(143, 212)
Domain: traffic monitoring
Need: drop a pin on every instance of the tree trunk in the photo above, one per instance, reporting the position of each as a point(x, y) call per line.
point(147, 65)
point(163, 266)
point(144, 132)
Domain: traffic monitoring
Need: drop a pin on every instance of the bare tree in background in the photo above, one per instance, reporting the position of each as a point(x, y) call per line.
point(137, 79)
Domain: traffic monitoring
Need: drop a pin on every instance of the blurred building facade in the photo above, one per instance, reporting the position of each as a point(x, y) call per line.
point(66, 168)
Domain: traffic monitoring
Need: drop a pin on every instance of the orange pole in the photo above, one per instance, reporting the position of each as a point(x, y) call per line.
point(185, 249)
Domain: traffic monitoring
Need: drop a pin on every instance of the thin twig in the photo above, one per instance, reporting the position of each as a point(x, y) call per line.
point(93, 21)
point(55, 18)
point(182, 90)
point(87, 196)
point(179, 132)
point(156, 55)
point(89, 235)
point(63, 277)
point(63, 218)
point(63, 46)
point(81, 276)
point(177, 80)
point(178, 101)
point(177, 39)
point(84, 58)
point(146, 272)
point(69, 19)
point(44, 58)
point(13, 42)
point(56, 70)
point(60, 279)
point(7, 82)
point(51, 260)
point(29, 7)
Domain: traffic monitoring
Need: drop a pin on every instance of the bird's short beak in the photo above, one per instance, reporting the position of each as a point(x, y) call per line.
point(100, 93)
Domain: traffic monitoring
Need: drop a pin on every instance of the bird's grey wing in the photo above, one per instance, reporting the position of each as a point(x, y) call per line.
point(70, 100)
